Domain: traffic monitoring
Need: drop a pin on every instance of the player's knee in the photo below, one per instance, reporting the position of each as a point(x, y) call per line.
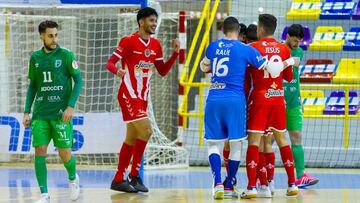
point(147, 132)
point(65, 155)
point(214, 148)
point(235, 151)
point(226, 146)
point(40, 150)
point(281, 140)
point(295, 138)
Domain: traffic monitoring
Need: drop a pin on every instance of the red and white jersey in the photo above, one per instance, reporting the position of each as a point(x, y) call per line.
point(138, 59)
point(264, 88)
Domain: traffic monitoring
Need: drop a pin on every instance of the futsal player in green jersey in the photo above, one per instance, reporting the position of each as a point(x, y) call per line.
point(51, 71)
point(294, 114)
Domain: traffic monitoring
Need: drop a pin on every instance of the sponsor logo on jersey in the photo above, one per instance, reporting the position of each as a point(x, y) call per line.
point(54, 98)
point(75, 65)
point(221, 44)
point(217, 85)
point(51, 88)
point(144, 65)
point(58, 63)
point(147, 52)
point(274, 93)
point(39, 98)
point(259, 58)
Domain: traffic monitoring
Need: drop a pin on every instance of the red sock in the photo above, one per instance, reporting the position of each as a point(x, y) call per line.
point(138, 152)
point(288, 161)
point(270, 165)
point(124, 160)
point(252, 159)
point(226, 154)
point(262, 169)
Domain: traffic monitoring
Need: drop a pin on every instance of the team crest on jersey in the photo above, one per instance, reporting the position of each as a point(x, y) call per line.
point(147, 52)
point(75, 65)
point(37, 65)
point(58, 63)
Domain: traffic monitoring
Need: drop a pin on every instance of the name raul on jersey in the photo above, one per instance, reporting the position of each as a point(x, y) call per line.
point(223, 52)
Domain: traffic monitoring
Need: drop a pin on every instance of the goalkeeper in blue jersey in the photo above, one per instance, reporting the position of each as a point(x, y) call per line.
point(225, 112)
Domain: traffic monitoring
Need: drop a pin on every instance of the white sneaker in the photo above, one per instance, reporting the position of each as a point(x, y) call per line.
point(292, 190)
point(271, 185)
point(229, 194)
point(45, 198)
point(248, 194)
point(74, 187)
point(218, 192)
point(264, 192)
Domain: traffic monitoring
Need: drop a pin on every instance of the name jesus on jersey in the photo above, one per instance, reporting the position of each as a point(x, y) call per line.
point(138, 57)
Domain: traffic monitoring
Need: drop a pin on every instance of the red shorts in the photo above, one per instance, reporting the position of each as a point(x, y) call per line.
point(264, 118)
point(133, 109)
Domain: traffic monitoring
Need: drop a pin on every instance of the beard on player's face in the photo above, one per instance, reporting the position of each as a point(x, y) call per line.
point(50, 46)
point(150, 24)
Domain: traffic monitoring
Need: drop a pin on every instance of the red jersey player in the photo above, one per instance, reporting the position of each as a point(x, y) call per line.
point(140, 54)
point(266, 107)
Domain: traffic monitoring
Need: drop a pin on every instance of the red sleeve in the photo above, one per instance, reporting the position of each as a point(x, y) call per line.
point(119, 53)
point(287, 73)
point(161, 67)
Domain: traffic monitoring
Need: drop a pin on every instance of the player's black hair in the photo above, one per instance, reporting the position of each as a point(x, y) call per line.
point(144, 13)
point(251, 34)
point(242, 29)
point(230, 24)
point(268, 22)
point(47, 24)
point(296, 30)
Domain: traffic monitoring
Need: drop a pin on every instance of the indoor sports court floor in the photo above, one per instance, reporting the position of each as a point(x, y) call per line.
point(18, 184)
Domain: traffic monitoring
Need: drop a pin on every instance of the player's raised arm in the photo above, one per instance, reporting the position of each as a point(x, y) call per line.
point(164, 68)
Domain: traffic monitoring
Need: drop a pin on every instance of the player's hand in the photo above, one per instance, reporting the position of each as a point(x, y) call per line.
point(68, 114)
point(176, 44)
point(293, 61)
point(297, 61)
point(120, 73)
point(26, 120)
point(275, 68)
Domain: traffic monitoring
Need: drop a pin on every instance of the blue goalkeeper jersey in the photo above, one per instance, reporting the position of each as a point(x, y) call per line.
point(228, 62)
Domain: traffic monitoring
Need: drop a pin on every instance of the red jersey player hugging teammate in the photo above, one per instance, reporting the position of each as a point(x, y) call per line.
point(140, 54)
point(266, 109)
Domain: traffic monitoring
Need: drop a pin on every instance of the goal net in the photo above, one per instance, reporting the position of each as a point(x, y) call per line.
point(92, 33)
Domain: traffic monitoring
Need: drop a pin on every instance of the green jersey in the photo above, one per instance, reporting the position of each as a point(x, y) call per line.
point(292, 89)
point(52, 73)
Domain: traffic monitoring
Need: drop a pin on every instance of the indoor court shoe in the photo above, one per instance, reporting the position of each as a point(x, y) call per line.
point(263, 192)
point(271, 185)
point(123, 186)
point(45, 198)
point(249, 193)
point(137, 183)
point(230, 193)
point(74, 187)
point(292, 190)
point(305, 180)
point(218, 192)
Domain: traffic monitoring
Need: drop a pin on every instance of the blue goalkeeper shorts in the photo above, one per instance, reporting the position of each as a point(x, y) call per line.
point(225, 119)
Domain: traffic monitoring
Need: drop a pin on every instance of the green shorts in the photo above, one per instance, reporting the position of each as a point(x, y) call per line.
point(45, 130)
point(294, 118)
